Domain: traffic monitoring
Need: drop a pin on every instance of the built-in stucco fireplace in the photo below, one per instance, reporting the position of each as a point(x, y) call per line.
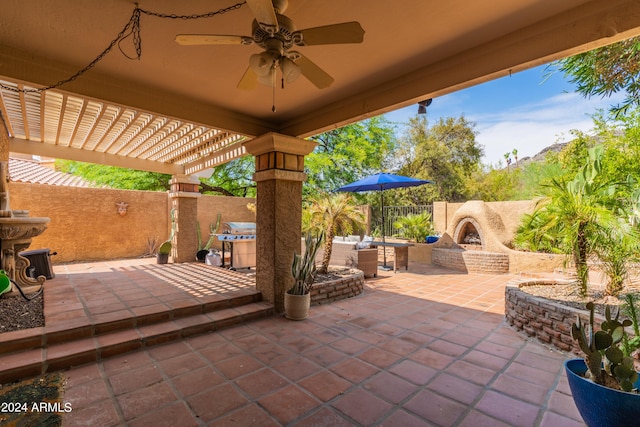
point(477, 241)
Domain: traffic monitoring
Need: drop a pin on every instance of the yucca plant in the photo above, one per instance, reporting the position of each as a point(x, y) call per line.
point(303, 267)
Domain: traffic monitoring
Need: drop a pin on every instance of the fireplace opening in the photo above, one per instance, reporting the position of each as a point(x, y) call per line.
point(468, 235)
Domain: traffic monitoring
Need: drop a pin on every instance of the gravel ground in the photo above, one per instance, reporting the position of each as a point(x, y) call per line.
point(569, 295)
point(16, 313)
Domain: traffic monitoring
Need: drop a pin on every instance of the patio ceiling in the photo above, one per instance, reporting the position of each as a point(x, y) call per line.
point(178, 109)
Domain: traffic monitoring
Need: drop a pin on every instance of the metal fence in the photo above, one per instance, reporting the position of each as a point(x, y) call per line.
point(392, 213)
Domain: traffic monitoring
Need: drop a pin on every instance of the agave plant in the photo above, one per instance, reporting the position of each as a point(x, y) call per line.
point(303, 267)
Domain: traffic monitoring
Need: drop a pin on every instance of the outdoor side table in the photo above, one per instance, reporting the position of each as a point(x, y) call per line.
point(400, 253)
point(368, 261)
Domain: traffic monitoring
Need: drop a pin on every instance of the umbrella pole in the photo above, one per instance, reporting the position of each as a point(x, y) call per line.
point(384, 249)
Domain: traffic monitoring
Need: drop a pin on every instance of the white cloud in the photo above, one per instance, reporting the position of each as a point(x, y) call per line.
point(528, 127)
point(532, 127)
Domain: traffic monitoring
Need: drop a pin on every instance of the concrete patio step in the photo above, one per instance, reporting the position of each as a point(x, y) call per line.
point(36, 351)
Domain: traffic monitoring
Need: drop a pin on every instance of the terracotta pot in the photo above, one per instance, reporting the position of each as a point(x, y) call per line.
point(296, 307)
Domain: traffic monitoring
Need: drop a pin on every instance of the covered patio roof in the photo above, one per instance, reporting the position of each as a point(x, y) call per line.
point(177, 109)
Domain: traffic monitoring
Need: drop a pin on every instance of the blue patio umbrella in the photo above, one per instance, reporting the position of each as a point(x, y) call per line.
point(380, 182)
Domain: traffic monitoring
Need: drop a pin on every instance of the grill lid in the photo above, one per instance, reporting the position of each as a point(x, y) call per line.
point(239, 228)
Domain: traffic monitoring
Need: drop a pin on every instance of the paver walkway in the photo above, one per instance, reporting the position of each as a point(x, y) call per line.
point(427, 347)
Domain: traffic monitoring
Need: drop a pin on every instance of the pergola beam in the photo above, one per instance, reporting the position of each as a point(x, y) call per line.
point(49, 150)
point(27, 67)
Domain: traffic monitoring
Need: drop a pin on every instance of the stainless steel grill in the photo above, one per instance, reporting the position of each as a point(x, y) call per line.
point(239, 228)
point(239, 238)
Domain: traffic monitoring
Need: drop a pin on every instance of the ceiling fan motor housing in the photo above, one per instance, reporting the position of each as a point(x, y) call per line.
point(286, 30)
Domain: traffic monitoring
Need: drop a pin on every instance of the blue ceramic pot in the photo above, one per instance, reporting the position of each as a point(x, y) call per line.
point(601, 406)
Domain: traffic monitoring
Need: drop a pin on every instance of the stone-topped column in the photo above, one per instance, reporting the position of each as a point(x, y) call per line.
point(183, 198)
point(279, 176)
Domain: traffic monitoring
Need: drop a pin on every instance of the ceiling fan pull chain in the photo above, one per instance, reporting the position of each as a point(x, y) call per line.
point(273, 106)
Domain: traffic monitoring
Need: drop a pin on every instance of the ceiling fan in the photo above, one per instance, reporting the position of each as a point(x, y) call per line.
point(277, 35)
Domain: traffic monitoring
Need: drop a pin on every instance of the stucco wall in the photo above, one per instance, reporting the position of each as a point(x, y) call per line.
point(231, 209)
point(85, 224)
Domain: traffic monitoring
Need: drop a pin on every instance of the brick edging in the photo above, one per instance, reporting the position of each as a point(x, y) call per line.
point(544, 320)
point(334, 290)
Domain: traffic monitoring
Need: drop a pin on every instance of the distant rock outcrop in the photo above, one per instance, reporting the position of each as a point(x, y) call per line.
point(554, 148)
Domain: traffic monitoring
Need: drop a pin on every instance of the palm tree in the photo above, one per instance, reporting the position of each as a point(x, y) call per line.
point(584, 215)
point(515, 155)
point(335, 215)
point(507, 158)
point(415, 226)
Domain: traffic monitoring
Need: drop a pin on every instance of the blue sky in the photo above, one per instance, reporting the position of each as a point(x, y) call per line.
point(522, 111)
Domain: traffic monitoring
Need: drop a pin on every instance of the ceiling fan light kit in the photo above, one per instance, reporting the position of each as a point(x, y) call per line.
point(262, 63)
point(276, 34)
point(290, 70)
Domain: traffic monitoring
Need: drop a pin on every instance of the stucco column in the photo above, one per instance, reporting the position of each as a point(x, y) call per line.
point(183, 198)
point(279, 176)
point(4, 141)
point(439, 217)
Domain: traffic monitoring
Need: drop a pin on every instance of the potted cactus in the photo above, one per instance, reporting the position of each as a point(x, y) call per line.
point(162, 257)
point(297, 300)
point(605, 383)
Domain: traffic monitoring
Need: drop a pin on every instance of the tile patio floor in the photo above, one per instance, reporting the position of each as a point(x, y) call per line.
point(427, 347)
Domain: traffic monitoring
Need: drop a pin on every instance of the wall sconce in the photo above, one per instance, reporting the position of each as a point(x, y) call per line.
point(122, 208)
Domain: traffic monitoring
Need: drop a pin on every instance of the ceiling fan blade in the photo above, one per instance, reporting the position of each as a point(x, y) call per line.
point(347, 32)
point(264, 14)
point(204, 39)
point(249, 80)
point(313, 73)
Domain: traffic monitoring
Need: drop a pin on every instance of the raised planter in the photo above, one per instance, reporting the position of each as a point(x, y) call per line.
point(334, 290)
point(540, 318)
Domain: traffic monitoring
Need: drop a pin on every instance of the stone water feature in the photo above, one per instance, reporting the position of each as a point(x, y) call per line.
point(17, 229)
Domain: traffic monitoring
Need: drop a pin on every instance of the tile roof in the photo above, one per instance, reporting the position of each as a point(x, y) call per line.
point(23, 170)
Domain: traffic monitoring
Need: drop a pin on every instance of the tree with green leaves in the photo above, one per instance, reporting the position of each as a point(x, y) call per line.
point(607, 70)
point(494, 185)
point(446, 153)
point(333, 215)
point(232, 179)
point(346, 154)
point(115, 177)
